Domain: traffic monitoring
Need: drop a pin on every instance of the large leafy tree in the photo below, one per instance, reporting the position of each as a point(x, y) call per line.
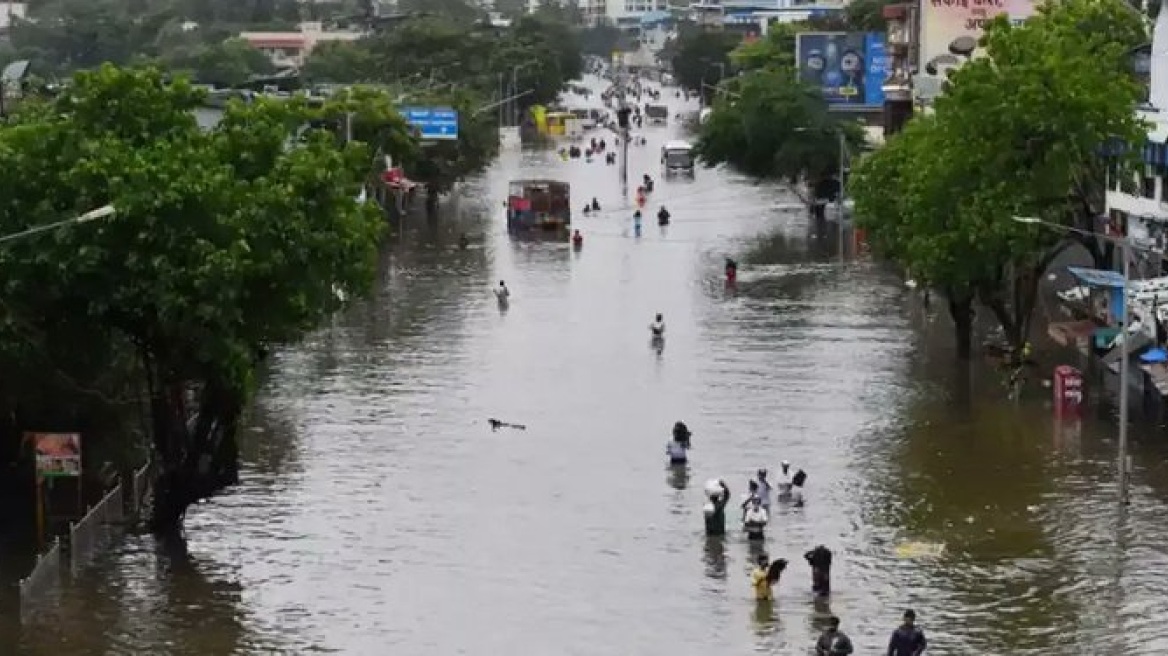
point(342, 62)
point(771, 126)
point(229, 63)
point(1018, 132)
point(441, 164)
point(225, 243)
point(701, 57)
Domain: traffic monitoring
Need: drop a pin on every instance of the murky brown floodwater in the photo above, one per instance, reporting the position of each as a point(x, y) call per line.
point(379, 515)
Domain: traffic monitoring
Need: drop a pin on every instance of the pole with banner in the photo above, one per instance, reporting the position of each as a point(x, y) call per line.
point(58, 455)
point(40, 511)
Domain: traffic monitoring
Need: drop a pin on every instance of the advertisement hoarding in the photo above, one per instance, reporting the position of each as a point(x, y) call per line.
point(848, 67)
point(57, 454)
point(950, 30)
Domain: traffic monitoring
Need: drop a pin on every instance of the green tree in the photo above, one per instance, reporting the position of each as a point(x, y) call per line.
point(601, 40)
point(341, 62)
point(230, 63)
point(867, 15)
point(225, 244)
point(441, 164)
point(776, 50)
point(1060, 88)
point(459, 11)
point(701, 57)
point(544, 54)
point(511, 9)
point(369, 115)
point(776, 128)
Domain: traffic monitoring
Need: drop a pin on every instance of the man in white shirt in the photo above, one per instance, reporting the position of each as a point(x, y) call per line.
point(658, 326)
point(784, 481)
point(764, 489)
point(755, 520)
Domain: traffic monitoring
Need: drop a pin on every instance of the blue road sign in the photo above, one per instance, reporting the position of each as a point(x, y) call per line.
point(433, 123)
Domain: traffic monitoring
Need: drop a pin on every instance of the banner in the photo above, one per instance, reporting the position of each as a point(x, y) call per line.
point(950, 30)
point(848, 67)
point(57, 454)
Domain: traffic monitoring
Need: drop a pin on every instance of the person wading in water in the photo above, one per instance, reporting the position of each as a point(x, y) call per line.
point(715, 510)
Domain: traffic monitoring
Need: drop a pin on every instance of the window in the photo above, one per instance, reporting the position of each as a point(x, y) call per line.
point(1148, 186)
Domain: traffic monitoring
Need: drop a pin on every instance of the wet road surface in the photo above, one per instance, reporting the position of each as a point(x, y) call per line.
point(379, 514)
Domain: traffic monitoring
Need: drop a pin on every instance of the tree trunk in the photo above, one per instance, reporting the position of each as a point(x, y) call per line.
point(961, 310)
point(197, 458)
point(431, 201)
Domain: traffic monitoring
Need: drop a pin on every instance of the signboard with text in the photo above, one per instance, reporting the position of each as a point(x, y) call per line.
point(432, 123)
point(57, 454)
point(848, 67)
point(950, 30)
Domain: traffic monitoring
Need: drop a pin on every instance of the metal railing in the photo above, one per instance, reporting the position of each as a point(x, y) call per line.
point(89, 534)
point(140, 488)
point(45, 575)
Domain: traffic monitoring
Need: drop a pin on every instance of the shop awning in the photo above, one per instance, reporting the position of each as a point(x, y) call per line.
point(1097, 277)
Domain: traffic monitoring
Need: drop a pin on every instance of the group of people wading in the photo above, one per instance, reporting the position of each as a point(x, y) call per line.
point(787, 487)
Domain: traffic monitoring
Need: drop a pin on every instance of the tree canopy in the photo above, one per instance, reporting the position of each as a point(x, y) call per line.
point(700, 57)
point(1017, 133)
point(440, 60)
point(225, 243)
point(61, 36)
point(768, 124)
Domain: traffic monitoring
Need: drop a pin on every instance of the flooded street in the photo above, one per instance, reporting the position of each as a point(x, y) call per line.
point(378, 513)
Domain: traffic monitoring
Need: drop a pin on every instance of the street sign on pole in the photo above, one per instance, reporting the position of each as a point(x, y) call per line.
point(432, 123)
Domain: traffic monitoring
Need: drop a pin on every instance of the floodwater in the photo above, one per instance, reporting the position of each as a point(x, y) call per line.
point(378, 513)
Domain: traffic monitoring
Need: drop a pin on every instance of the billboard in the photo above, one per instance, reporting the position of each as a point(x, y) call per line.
point(849, 67)
point(432, 123)
point(950, 30)
point(57, 454)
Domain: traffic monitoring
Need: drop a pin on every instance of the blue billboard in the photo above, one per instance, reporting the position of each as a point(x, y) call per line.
point(432, 123)
point(848, 67)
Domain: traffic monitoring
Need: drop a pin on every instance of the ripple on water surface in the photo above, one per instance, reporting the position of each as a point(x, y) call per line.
point(377, 512)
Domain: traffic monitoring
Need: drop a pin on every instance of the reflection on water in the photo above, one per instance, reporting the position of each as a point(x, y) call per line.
point(378, 510)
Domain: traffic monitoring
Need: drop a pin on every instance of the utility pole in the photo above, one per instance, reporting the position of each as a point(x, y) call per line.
point(1124, 383)
point(624, 163)
point(1123, 460)
point(839, 196)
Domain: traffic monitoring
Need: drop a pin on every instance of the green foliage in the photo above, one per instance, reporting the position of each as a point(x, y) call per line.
point(867, 15)
point(602, 40)
point(1017, 133)
point(341, 62)
point(66, 35)
point(459, 11)
point(775, 127)
point(225, 243)
point(701, 57)
point(776, 50)
point(230, 63)
point(439, 60)
point(369, 115)
point(444, 163)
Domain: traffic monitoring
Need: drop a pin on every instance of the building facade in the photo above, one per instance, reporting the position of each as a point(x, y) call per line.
point(1138, 208)
point(291, 49)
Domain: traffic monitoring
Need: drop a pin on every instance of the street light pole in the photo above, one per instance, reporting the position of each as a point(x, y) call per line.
point(839, 196)
point(102, 212)
point(1123, 465)
point(1125, 354)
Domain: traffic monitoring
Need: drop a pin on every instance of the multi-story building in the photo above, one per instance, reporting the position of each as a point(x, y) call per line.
point(1139, 207)
point(594, 12)
point(291, 49)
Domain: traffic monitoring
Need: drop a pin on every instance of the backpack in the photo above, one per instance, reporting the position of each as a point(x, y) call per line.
point(799, 479)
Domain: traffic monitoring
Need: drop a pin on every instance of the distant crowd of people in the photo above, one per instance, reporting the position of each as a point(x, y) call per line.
point(755, 505)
